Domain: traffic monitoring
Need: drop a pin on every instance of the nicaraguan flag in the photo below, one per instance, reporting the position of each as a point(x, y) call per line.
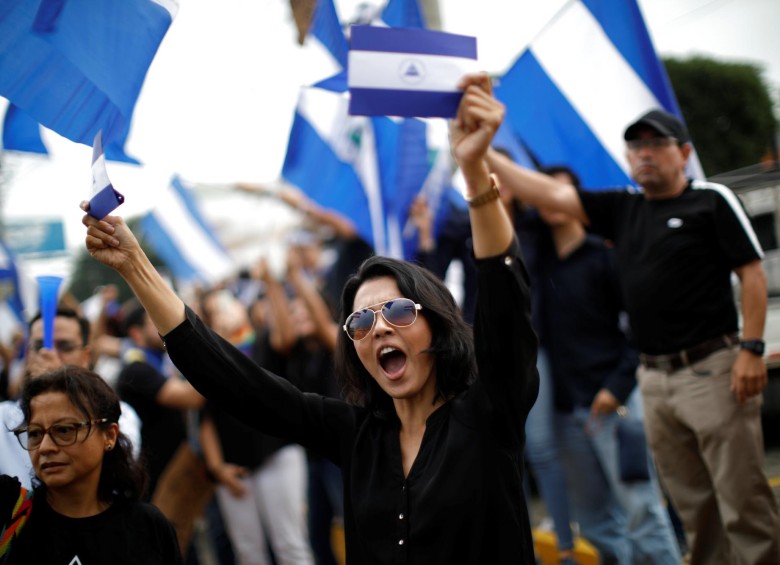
point(367, 169)
point(590, 72)
point(407, 72)
point(10, 285)
point(77, 66)
point(22, 133)
point(179, 233)
point(105, 198)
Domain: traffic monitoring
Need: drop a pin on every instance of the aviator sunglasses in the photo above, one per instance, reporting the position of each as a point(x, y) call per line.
point(398, 312)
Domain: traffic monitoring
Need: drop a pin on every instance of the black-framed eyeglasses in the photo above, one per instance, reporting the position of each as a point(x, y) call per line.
point(61, 345)
point(651, 142)
point(398, 312)
point(62, 434)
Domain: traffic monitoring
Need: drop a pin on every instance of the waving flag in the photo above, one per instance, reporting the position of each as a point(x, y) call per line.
point(22, 133)
point(589, 73)
point(77, 66)
point(10, 286)
point(367, 169)
point(105, 198)
point(178, 232)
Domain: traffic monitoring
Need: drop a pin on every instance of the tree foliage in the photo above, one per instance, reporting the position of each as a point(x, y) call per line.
point(728, 109)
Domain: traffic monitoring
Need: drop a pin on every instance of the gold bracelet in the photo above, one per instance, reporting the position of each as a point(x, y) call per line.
point(489, 195)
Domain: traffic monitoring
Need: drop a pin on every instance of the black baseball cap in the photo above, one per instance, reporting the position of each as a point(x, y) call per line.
point(663, 122)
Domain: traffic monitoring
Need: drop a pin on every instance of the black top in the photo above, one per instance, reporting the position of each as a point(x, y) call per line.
point(463, 500)
point(240, 443)
point(127, 533)
point(588, 347)
point(675, 258)
point(162, 428)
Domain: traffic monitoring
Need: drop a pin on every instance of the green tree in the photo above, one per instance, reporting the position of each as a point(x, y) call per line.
point(728, 109)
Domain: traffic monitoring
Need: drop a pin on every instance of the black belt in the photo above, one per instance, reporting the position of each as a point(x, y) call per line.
point(673, 361)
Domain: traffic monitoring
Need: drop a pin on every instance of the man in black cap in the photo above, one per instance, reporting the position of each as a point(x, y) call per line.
point(677, 243)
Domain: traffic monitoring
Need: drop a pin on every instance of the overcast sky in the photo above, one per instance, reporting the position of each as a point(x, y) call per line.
point(220, 95)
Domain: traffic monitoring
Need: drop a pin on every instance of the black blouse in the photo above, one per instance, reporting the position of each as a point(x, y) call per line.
point(463, 500)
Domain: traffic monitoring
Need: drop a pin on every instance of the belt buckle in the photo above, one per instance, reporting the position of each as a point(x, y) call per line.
point(665, 363)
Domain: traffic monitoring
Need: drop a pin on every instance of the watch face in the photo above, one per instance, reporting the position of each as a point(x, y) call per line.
point(754, 345)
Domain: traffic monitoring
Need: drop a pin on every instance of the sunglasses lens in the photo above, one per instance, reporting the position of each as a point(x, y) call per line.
point(359, 323)
point(401, 312)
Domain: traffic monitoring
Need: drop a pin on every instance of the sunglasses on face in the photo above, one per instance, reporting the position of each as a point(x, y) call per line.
point(61, 345)
point(62, 434)
point(652, 143)
point(398, 312)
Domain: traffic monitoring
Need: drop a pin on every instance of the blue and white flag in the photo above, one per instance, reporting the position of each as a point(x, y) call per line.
point(179, 233)
point(23, 133)
point(105, 198)
point(590, 72)
point(10, 284)
point(407, 72)
point(77, 66)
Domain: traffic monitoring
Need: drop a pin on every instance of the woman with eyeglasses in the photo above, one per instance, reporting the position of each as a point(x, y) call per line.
point(430, 438)
point(84, 507)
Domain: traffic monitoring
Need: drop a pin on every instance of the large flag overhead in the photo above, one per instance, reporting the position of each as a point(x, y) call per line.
point(590, 72)
point(179, 233)
point(77, 66)
point(22, 133)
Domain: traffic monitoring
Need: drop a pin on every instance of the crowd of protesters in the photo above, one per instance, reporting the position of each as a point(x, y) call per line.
point(259, 470)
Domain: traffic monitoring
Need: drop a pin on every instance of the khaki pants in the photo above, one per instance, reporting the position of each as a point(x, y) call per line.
point(709, 452)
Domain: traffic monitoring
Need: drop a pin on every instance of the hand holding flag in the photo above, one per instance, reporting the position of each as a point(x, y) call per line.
point(105, 198)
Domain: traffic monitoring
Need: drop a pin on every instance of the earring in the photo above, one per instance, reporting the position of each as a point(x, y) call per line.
point(109, 447)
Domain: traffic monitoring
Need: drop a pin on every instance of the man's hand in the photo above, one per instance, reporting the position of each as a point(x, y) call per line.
point(604, 403)
point(748, 376)
point(41, 361)
point(230, 475)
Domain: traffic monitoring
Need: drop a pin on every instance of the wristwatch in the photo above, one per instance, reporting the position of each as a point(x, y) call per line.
point(753, 345)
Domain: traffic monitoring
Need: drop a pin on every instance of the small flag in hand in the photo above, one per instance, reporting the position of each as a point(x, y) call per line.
point(105, 198)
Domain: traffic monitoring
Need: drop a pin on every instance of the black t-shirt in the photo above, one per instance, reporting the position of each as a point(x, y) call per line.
point(128, 533)
point(162, 429)
point(581, 325)
point(675, 258)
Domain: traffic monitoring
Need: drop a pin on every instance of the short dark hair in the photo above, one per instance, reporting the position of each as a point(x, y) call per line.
point(452, 343)
point(73, 315)
point(121, 475)
point(135, 316)
point(563, 170)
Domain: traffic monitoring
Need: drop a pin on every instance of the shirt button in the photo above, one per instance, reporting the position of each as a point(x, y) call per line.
point(400, 542)
point(508, 261)
point(400, 516)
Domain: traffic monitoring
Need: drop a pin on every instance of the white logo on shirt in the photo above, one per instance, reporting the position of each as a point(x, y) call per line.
point(674, 223)
point(75, 561)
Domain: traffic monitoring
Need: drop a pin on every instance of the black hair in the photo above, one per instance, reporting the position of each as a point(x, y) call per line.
point(563, 170)
point(73, 315)
point(452, 343)
point(135, 316)
point(122, 475)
